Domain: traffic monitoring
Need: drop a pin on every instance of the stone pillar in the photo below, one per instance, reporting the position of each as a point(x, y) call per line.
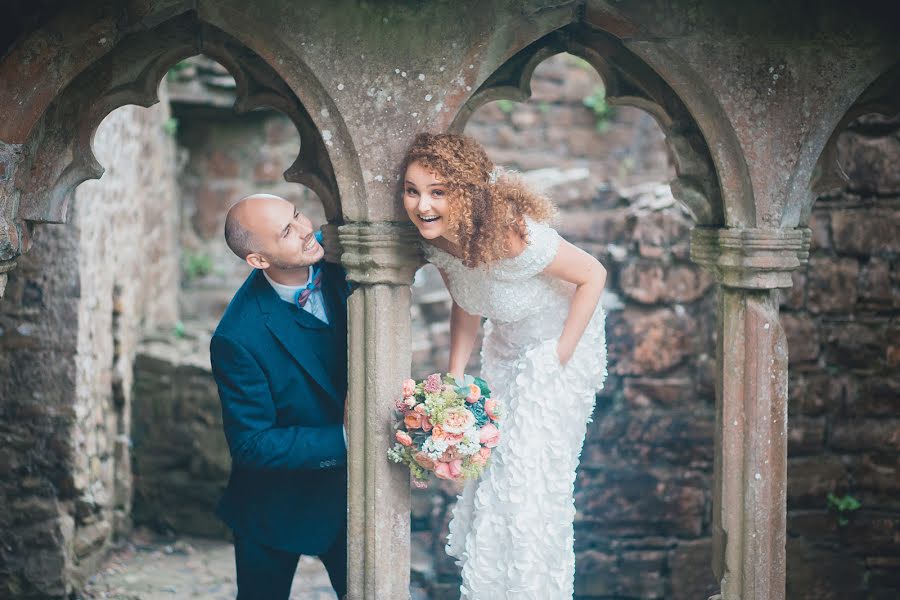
point(381, 258)
point(749, 498)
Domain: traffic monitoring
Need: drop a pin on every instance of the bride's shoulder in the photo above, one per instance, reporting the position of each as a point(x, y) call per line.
point(438, 253)
point(531, 252)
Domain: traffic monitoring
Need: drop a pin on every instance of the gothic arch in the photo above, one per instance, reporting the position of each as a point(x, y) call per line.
point(46, 141)
point(629, 81)
point(881, 97)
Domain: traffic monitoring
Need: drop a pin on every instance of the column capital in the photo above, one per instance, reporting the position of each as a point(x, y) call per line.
point(14, 239)
point(748, 258)
point(382, 252)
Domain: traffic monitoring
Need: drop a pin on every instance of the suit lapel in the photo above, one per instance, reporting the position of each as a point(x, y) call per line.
point(282, 320)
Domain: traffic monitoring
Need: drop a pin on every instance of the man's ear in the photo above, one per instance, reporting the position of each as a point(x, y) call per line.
point(257, 261)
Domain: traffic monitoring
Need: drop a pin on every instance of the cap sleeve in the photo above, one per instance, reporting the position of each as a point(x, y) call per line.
point(437, 257)
point(543, 244)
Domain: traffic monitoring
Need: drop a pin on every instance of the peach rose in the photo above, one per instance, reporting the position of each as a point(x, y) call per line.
point(438, 433)
point(426, 424)
point(454, 438)
point(485, 452)
point(409, 388)
point(424, 460)
point(412, 420)
point(403, 438)
point(457, 420)
point(474, 394)
point(420, 408)
point(490, 407)
point(489, 435)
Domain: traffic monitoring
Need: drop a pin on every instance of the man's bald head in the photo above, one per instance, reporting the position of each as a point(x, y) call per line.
point(239, 223)
point(268, 231)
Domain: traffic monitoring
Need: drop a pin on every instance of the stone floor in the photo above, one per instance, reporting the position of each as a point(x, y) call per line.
point(146, 567)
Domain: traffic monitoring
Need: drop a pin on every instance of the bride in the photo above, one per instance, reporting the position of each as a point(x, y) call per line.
point(544, 356)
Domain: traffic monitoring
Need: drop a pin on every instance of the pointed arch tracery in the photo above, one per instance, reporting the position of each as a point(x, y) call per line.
point(628, 81)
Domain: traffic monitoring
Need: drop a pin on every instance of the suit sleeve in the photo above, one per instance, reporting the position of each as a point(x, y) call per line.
point(248, 413)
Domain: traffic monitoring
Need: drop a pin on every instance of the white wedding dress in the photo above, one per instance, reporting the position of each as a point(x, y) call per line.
point(512, 529)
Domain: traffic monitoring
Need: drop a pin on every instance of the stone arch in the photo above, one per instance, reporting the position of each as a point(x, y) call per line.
point(882, 97)
point(46, 143)
point(629, 81)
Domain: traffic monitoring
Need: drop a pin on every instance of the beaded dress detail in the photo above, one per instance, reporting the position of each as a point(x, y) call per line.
point(512, 530)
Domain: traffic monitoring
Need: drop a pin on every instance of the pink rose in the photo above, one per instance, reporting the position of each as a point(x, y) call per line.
point(433, 383)
point(420, 408)
point(403, 438)
point(485, 452)
point(457, 420)
point(442, 470)
point(409, 388)
point(489, 435)
point(426, 424)
point(474, 394)
point(409, 402)
point(490, 407)
point(455, 468)
point(412, 420)
point(424, 460)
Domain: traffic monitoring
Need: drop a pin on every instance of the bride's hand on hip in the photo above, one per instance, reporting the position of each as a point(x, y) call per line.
point(564, 354)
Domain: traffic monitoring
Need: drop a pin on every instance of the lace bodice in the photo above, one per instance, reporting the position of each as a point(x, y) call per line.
point(511, 289)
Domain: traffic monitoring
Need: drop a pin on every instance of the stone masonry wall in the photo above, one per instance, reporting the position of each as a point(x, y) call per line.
point(842, 319)
point(69, 324)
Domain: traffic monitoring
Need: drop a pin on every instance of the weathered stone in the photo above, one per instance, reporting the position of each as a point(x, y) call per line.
point(691, 576)
point(871, 162)
point(856, 344)
point(876, 435)
point(805, 435)
point(822, 574)
point(876, 288)
point(831, 284)
point(650, 341)
point(866, 232)
point(802, 337)
point(652, 282)
point(636, 573)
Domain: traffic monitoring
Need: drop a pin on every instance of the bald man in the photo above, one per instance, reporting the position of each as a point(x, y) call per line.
point(279, 357)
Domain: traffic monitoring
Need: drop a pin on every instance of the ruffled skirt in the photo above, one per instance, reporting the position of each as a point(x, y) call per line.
point(512, 529)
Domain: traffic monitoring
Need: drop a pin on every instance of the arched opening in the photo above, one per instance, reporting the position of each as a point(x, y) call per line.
point(842, 319)
point(643, 491)
point(79, 307)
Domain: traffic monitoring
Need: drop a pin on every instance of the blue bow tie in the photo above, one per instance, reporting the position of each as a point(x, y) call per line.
point(303, 293)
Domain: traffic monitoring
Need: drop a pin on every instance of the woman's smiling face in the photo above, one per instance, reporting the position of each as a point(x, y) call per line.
point(426, 202)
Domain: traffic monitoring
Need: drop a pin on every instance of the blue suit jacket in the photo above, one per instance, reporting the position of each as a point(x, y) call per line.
point(282, 395)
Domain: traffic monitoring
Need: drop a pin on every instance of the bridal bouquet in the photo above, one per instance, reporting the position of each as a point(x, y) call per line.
point(445, 427)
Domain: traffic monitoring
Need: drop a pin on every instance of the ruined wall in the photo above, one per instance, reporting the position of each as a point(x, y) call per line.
point(69, 324)
point(842, 319)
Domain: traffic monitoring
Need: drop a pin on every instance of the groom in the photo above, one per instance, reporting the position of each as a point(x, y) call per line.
point(279, 357)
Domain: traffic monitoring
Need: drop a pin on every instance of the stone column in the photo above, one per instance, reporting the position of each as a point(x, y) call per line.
point(381, 258)
point(749, 498)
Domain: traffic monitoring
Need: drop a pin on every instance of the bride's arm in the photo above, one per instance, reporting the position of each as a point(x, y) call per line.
point(576, 266)
point(463, 330)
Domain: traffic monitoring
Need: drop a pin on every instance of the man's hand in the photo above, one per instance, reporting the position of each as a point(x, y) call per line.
point(346, 413)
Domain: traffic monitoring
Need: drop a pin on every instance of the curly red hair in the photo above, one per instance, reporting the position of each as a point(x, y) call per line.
point(481, 212)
